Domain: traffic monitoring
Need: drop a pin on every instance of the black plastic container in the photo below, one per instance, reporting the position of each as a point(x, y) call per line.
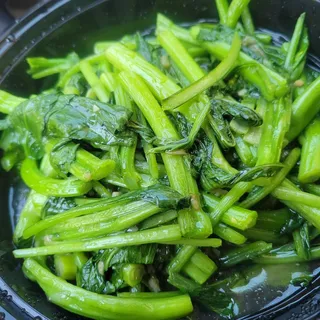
point(62, 26)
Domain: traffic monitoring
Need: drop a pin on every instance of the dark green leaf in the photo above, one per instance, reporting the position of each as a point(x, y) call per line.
point(62, 155)
point(55, 205)
point(143, 47)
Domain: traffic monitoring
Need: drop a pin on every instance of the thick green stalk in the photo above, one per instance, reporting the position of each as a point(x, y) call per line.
point(235, 10)
point(301, 241)
point(159, 219)
point(9, 102)
point(183, 256)
point(247, 21)
point(228, 201)
point(149, 295)
point(244, 151)
point(212, 78)
point(256, 234)
point(101, 190)
point(65, 266)
point(236, 217)
point(273, 220)
point(271, 84)
point(309, 169)
point(36, 180)
point(247, 252)
point(211, 242)
point(93, 305)
point(294, 43)
point(222, 7)
point(309, 213)
point(95, 83)
point(156, 235)
point(312, 188)
point(304, 109)
point(228, 234)
point(305, 198)
point(97, 229)
point(259, 193)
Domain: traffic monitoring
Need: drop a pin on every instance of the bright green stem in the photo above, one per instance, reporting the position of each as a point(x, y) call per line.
point(107, 79)
point(163, 24)
point(95, 83)
point(200, 267)
point(222, 7)
point(309, 213)
point(275, 126)
point(229, 200)
point(301, 197)
point(101, 190)
point(301, 241)
point(247, 252)
point(36, 180)
point(159, 219)
point(180, 56)
point(309, 169)
point(244, 152)
point(180, 178)
point(236, 217)
point(212, 78)
point(183, 256)
point(294, 43)
point(211, 242)
point(97, 229)
point(194, 223)
point(271, 84)
point(149, 295)
point(304, 109)
point(235, 10)
point(84, 209)
point(247, 21)
point(93, 305)
point(65, 266)
point(127, 60)
point(228, 234)
point(156, 235)
point(9, 102)
point(261, 192)
point(116, 212)
point(132, 274)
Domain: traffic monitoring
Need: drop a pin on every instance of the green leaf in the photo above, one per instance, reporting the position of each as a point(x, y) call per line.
point(67, 117)
point(62, 155)
point(56, 205)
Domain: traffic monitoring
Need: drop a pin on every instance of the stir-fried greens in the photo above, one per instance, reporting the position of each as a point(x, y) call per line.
point(160, 160)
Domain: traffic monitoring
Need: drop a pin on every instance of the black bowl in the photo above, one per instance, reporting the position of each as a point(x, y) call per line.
point(65, 25)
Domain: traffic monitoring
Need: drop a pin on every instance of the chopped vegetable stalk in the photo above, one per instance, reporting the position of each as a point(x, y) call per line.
point(235, 217)
point(235, 10)
point(156, 235)
point(228, 234)
point(283, 193)
point(222, 7)
point(65, 266)
point(212, 78)
point(159, 219)
point(247, 252)
point(8, 102)
point(275, 126)
point(228, 200)
point(309, 169)
point(312, 188)
point(211, 242)
point(270, 83)
point(311, 214)
point(255, 234)
point(247, 21)
point(183, 256)
point(132, 273)
point(35, 179)
point(258, 193)
point(304, 109)
point(93, 305)
point(273, 220)
point(95, 83)
point(301, 241)
point(294, 43)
